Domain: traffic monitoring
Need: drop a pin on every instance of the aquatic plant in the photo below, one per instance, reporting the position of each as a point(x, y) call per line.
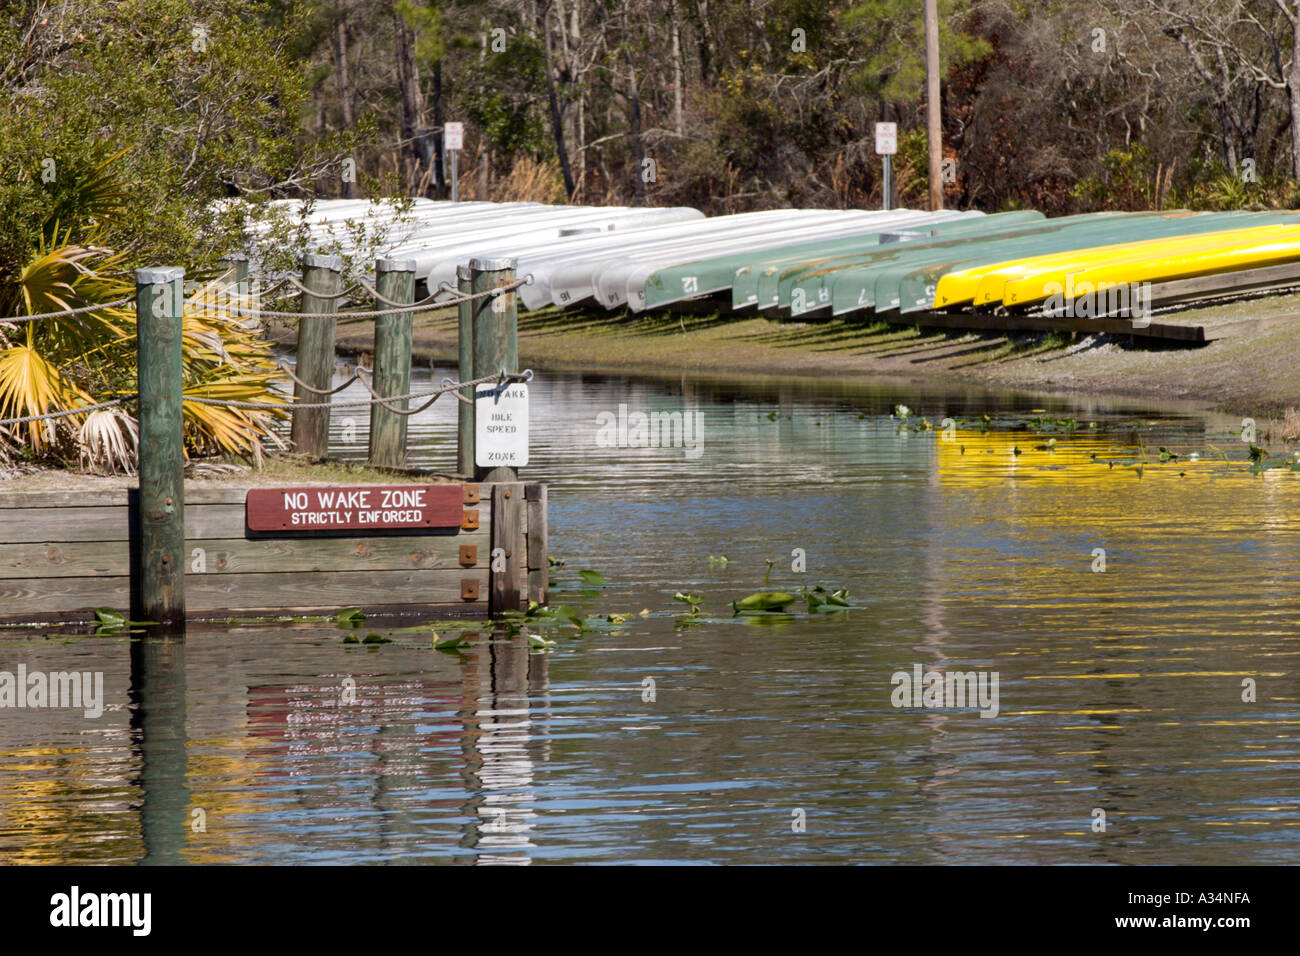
point(764, 601)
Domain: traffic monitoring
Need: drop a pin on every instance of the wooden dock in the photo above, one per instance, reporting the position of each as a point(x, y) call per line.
point(67, 553)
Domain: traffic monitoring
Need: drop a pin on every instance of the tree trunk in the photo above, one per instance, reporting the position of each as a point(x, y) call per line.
point(346, 92)
point(706, 48)
point(1293, 95)
point(557, 121)
point(634, 103)
point(439, 174)
point(679, 123)
point(408, 86)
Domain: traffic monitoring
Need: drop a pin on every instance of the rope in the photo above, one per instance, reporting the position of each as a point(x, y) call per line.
point(523, 376)
point(315, 391)
point(20, 319)
point(386, 301)
point(376, 313)
point(404, 412)
point(66, 413)
point(319, 295)
point(377, 399)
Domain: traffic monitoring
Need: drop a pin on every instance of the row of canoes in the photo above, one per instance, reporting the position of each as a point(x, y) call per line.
point(1017, 259)
point(804, 263)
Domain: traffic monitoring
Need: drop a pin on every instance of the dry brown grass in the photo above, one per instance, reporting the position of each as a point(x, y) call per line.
point(1291, 425)
point(529, 180)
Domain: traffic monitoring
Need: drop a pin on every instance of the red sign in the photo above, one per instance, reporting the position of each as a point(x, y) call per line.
point(357, 508)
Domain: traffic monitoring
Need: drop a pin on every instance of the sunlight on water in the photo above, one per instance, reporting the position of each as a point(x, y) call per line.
point(672, 738)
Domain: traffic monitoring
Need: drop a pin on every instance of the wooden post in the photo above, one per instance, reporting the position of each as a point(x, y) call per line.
point(395, 280)
point(496, 336)
point(465, 372)
point(539, 568)
point(506, 586)
point(159, 304)
point(934, 125)
point(236, 264)
point(235, 290)
point(310, 431)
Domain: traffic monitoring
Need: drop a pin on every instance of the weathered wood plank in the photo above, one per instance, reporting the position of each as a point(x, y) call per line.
point(507, 519)
point(71, 559)
point(990, 322)
point(538, 566)
point(196, 493)
point(1227, 283)
point(49, 599)
point(110, 524)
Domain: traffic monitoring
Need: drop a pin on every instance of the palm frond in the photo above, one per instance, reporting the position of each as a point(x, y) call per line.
point(30, 385)
point(108, 441)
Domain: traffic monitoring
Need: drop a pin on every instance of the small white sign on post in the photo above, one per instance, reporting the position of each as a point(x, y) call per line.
point(453, 136)
point(886, 139)
point(501, 426)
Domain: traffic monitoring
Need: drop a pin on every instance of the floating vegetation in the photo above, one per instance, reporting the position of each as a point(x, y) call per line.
point(450, 645)
point(720, 560)
point(694, 600)
point(108, 621)
point(593, 578)
point(764, 601)
point(562, 617)
point(349, 617)
point(821, 599)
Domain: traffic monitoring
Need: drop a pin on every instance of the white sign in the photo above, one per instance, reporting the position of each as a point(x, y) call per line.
point(501, 426)
point(886, 139)
point(453, 136)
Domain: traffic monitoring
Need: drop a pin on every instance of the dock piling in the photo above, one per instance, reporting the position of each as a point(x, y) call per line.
point(465, 371)
point(311, 426)
point(160, 302)
point(395, 281)
point(496, 334)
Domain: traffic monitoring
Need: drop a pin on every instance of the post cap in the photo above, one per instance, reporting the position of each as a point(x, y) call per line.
point(394, 265)
point(495, 264)
point(314, 260)
point(158, 275)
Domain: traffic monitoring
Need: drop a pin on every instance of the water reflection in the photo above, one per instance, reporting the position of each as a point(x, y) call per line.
point(500, 769)
point(1121, 691)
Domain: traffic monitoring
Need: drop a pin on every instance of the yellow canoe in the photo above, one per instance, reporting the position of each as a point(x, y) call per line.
point(963, 285)
point(1047, 269)
point(1181, 258)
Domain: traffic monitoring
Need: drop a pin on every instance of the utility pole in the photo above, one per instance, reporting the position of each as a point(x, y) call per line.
point(934, 129)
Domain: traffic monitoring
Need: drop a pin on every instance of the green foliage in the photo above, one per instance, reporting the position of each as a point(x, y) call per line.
point(890, 36)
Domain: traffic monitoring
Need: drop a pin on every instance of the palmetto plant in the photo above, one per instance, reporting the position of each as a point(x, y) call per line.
point(67, 362)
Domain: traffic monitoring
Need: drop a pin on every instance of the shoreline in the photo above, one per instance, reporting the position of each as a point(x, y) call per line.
point(1250, 374)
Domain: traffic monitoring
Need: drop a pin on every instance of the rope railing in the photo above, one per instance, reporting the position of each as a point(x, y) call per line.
point(67, 412)
point(20, 319)
point(377, 313)
point(289, 406)
point(457, 297)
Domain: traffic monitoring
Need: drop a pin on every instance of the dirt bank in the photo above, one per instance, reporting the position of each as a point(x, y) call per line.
point(1254, 372)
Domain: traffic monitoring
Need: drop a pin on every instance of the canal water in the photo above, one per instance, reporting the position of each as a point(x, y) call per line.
point(1141, 618)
